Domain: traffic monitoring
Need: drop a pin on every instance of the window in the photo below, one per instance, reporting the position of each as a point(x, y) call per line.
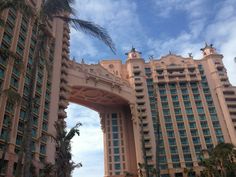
point(114, 122)
point(189, 111)
point(175, 98)
point(198, 103)
point(167, 119)
point(116, 150)
point(179, 118)
point(115, 136)
point(216, 124)
point(192, 125)
point(184, 141)
point(14, 82)
point(190, 117)
point(169, 126)
point(117, 166)
point(117, 158)
point(182, 133)
point(195, 91)
point(184, 91)
point(220, 139)
point(163, 98)
point(194, 133)
point(166, 112)
point(176, 104)
point(173, 150)
point(206, 132)
point(187, 157)
point(115, 142)
point(218, 131)
point(187, 104)
point(114, 129)
point(208, 140)
point(185, 149)
point(165, 105)
point(177, 111)
point(197, 97)
point(172, 142)
point(171, 134)
point(204, 124)
point(163, 159)
point(180, 125)
point(162, 92)
point(200, 110)
point(173, 91)
point(175, 158)
point(196, 140)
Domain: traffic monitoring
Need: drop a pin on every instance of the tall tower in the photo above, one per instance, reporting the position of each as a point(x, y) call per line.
point(183, 106)
point(18, 36)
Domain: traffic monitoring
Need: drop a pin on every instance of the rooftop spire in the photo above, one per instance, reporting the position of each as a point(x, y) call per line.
point(208, 50)
point(133, 54)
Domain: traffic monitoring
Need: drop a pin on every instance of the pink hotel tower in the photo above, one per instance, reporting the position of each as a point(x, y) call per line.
point(160, 113)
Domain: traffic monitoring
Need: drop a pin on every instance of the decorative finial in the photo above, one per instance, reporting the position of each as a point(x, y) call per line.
point(151, 57)
point(190, 55)
point(82, 61)
point(170, 53)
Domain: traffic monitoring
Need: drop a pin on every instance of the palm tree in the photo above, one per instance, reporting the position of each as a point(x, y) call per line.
point(145, 165)
point(221, 161)
point(63, 152)
point(13, 99)
point(40, 17)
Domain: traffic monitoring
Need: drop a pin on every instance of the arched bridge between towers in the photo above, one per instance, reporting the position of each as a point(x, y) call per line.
point(114, 99)
point(94, 87)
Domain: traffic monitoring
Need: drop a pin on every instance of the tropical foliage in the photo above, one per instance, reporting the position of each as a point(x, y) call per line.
point(220, 162)
point(63, 156)
point(13, 99)
point(40, 18)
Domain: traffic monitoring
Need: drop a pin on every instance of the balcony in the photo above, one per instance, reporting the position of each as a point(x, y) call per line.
point(62, 113)
point(64, 77)
point(63, 104)
point(63, 95)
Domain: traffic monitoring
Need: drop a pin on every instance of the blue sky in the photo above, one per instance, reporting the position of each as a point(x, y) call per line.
point(154, 27)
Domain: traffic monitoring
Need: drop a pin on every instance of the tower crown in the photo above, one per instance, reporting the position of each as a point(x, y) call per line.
point(208, 50)
point(133, 54)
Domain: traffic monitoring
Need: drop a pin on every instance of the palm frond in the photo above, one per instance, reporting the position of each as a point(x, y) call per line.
point(51, 8)
point(91, 29)
point(73, 131)
point(12, 96)
point(2, 23)
point(5, 53)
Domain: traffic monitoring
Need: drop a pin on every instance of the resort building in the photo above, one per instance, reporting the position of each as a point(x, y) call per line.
point(18, 37)
point(157, 114)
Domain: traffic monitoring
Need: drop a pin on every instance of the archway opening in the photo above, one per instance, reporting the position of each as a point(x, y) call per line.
point(88, 147)
point(116, 123)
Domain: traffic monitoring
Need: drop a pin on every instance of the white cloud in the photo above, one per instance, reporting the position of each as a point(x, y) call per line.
point(194, 8)
point(119, 18)
point(220, 30)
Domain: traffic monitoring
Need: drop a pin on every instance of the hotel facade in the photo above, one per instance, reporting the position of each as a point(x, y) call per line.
point(19, 37)
point(158, 114)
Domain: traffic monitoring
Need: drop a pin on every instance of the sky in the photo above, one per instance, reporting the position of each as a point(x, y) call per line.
point(153, 27)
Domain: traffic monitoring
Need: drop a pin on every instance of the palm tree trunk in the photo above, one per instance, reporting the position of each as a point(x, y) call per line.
point(25, 151)
point(143, 147)
point(31, 99)
point(7, 140)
